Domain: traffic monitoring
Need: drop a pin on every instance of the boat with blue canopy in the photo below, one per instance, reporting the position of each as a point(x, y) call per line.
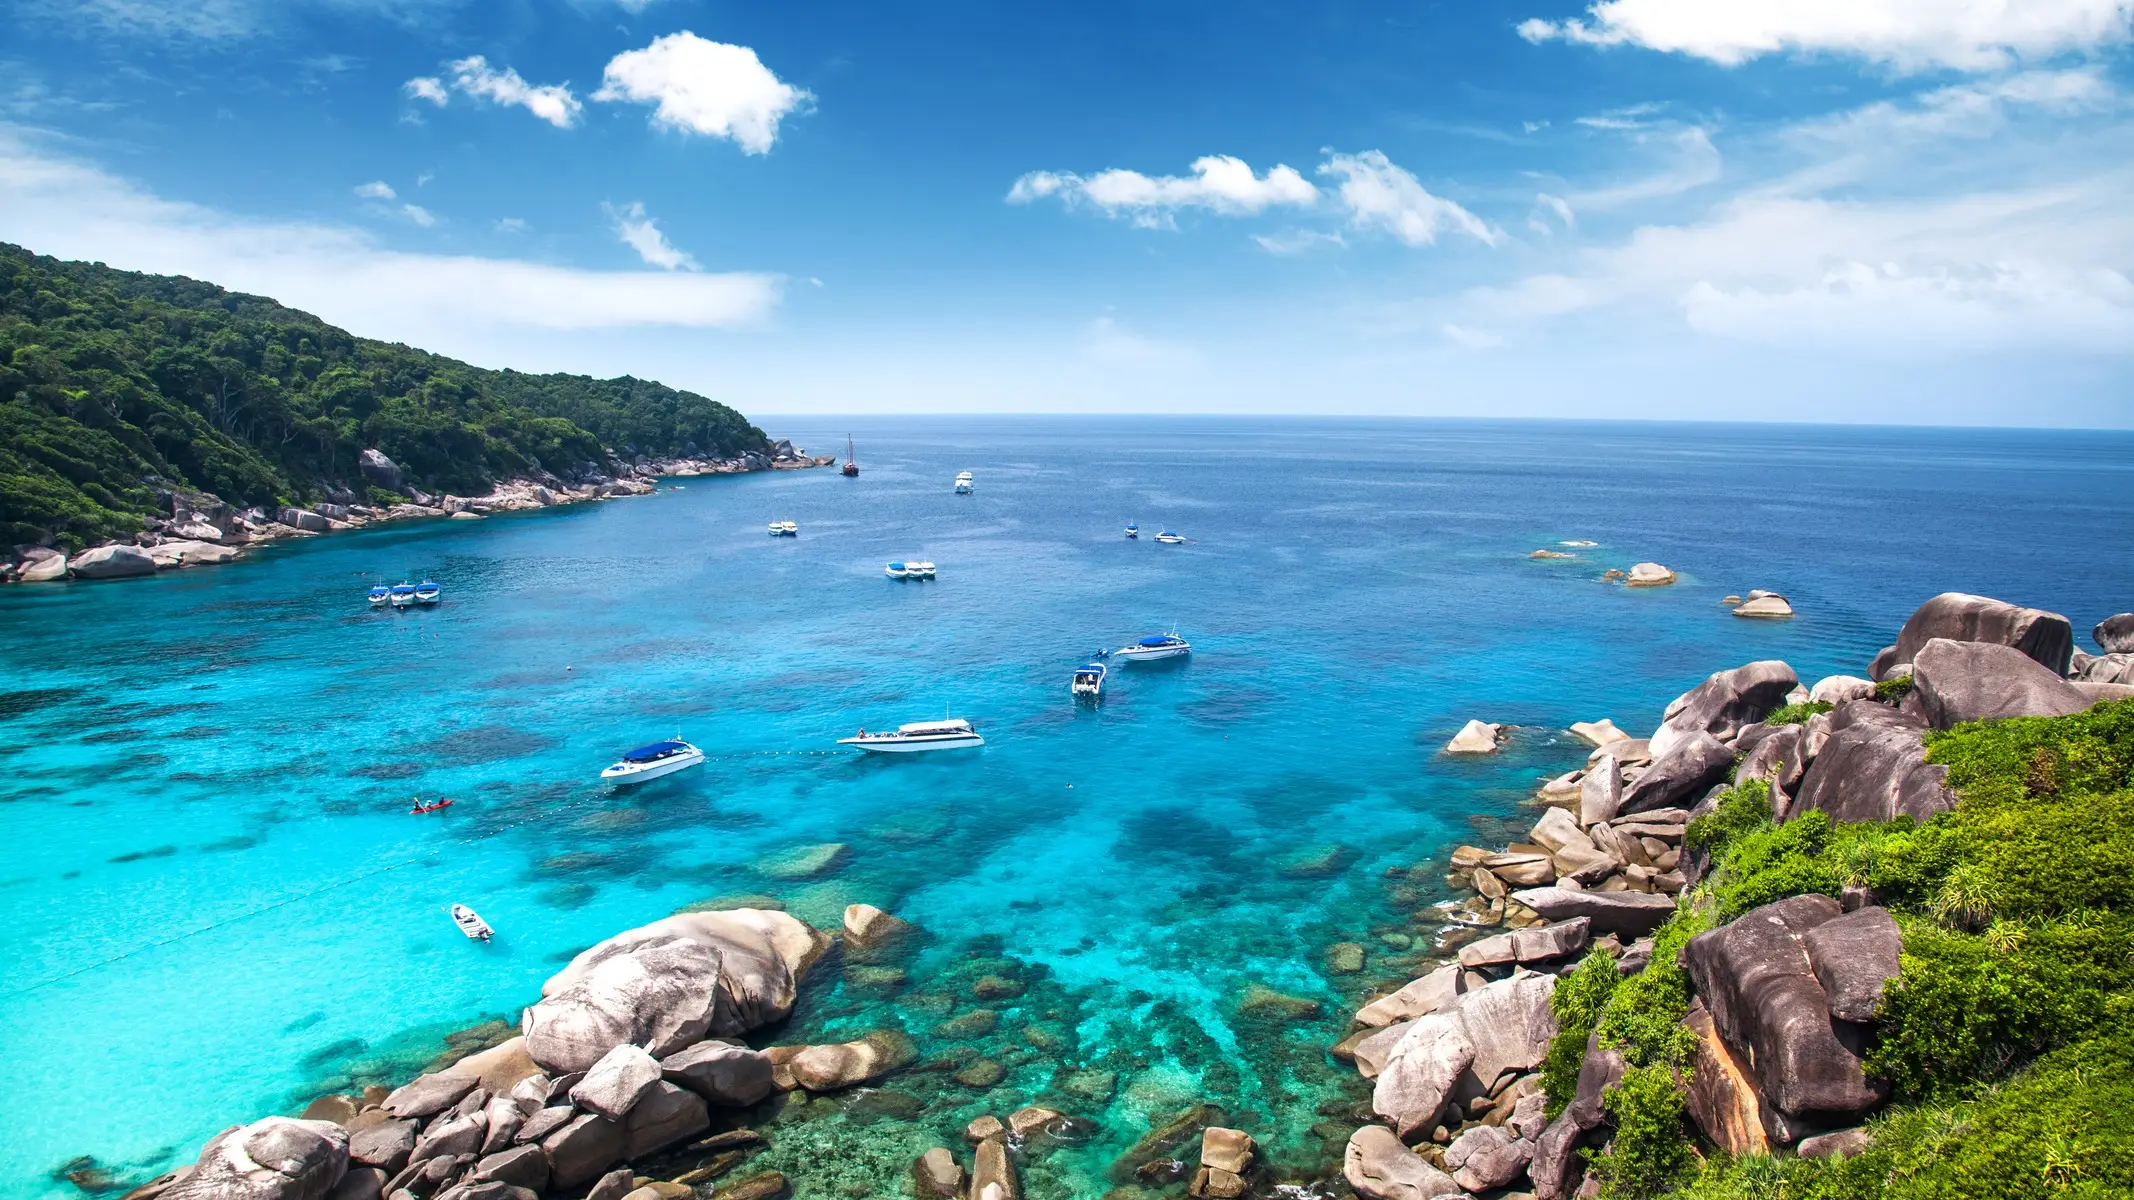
point(1088, 682)
point(402, 594)
point(1151, 649)
point(427, 592)
point(655, 761)
point(379, 595)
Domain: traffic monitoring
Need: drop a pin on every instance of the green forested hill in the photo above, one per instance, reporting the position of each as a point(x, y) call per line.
point(113, 383)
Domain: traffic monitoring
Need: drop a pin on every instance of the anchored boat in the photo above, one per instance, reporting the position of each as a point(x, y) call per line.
point(379, 595)
point(427, 592)
point(1133, 532)
point(1088, 682)
point(964, 486)
point(852, 464)
point(952, 734)
point(470, 923)
point(647, 763)
point(1150, 649)
point(1167, 538)
point(402, 594)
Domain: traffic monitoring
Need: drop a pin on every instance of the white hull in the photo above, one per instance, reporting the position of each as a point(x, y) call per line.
point(623, 775)
point(913, 745)
point(1137, 654)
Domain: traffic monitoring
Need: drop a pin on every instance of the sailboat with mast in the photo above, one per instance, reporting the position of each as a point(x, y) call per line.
point(852, 465)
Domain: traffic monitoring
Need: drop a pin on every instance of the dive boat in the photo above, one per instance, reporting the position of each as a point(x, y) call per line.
point(647, 763)
point(852, 465)
point(919, 570)
point(964, 486)
point(1133, 532)
point(379, 595)
point(1167, 538)
point(952, 734)
point(470, 923)
point(402, 594)
point(897, 570)
point(1088, 680)
point(433, 806)
point(427, 592)
point(1150, 649)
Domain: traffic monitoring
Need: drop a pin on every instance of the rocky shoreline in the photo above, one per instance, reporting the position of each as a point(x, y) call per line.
point(202, 530)
point(641, 1073)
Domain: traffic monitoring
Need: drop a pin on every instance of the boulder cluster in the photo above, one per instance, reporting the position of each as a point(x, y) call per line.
point(202, 530)
point(1786, 995)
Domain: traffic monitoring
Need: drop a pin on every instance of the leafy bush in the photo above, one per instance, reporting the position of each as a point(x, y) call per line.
point(1578, 1002)
point(1650, 1152)
point(1797, 714)
point(1743, 808)
point(1890, 691)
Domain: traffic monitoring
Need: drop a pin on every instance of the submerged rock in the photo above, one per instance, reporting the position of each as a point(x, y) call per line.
point(805, 862)
point(936, 1175)
point(848, 1064)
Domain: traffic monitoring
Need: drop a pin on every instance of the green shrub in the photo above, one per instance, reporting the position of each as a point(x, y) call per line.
point(1578, 1002)
point(1650, 1152)
point(1643, 1018)
point(1890, 691)
point(1797, 714)
point(1741, 809)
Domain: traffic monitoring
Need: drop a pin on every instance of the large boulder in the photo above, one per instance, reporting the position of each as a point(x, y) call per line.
point(1537, 944)
point(40, 565)
point(1779, 759)
point(277, 1158)
point(1487, 1156)
point(112, 562)
point(849, 1064)
point(2115, 635)
point(1625, 914)
point(1982, 681)
point(1721, 1095)
point(1600, 793)
point(1475, 737)
point(1873, 767)
point(1837, 689)
point(1724, 703)
point(2043, 636)
point(1854, 957)
point(1379, 1167)
point(499, 1068)
point(613, 1086)
point(379, 469)
point(1756, 977)
point(726, 1075)
point(189, 554)
point(1497, 1028)
point(1417, 998)
point(2108, 668)
point(383, 1144)
point(1689, 768)
point(582, 1150)
point(430, 1094)
point(670, 984)
point(663, 1116)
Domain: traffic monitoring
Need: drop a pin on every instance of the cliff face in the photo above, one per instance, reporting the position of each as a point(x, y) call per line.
point(119, 391)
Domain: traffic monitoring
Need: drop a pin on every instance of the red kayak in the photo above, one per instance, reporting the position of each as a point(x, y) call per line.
point(423, 808)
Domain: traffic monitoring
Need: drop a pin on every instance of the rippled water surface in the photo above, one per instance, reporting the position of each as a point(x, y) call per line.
point(216, 905)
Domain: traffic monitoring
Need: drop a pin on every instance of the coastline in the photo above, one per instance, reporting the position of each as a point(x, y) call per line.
point(1584, 878)
point(203, 530)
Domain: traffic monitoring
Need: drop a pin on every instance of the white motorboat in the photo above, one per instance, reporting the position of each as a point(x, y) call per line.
point(402, 594)
point(647, 763)
point(470, 923)
point(783, 529)
point(964, 486)
point(919, 570)
point(1151, 649)
point(952, 734)
point(379, 595)
point(1088, 680)
point(1167, 538)
point(427, 592)
point(897, 570)
point(1133, 531)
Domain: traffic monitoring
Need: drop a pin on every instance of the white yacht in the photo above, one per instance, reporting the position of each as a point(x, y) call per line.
point(1088, 680)
point(647, 763)
point(427, 592)
point(952, 734)
point(1167, 538)
point(897, 570)
point(919, 570)
point(470, 923)
point(964, 486)
point(784, 529)
point(402, 594)
point(379, 595)
point(1150, 649)
point(1133, 531)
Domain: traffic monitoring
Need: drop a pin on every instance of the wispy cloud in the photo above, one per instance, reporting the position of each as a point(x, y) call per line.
point(706, 88)
point(1108, 343)
point(473, 76)
point(1219, 183)
point(376, 189)
point(642, 234)
point(1383, 197)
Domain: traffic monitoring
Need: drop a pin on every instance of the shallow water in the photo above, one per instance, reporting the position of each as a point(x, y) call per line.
point(218, 907)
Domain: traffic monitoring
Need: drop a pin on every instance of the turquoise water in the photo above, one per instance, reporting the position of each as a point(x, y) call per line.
point(217, 906)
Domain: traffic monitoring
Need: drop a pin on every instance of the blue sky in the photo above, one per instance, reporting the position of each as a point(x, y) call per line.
point(1882, 210)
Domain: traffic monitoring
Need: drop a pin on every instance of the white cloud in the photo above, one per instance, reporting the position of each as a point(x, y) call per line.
point(1559, 206)
point(1298, 241)
point(73, 210)
point(512, 225)
point(705, 87)
point(1219, 183)
point(473, 76)
point(376, 189)
point(1472, 339)
point(1908, 34)
point(1965, 110)
point(1695, 163)
point(642, 234)
point(634, 7)
point(418, 214)
point(1384, 197)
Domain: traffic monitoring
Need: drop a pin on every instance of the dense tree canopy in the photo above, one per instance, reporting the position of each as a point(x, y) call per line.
point(113, 383)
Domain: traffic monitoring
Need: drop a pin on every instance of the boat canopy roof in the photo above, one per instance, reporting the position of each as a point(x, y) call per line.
point(1160, 640)
point(1097, 668)
point(380, 590)
point(403, 587)
point(655, 751)
point(955, 725)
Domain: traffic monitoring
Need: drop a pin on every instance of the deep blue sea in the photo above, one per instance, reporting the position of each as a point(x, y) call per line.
point(216, 905)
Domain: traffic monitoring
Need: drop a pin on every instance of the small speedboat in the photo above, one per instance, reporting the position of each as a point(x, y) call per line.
point(919, 570)
point(427, 592)
point(1088, 680)
point(470, 923)
point(379, 595)
point(433, 806)
point(402, 594)
point(1167, 538)
point(784, 529)
point(964, 486)
point(647, 763)
point(1150, 649)
point(952, 734)
point(1133, 532)
point(897, 570)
